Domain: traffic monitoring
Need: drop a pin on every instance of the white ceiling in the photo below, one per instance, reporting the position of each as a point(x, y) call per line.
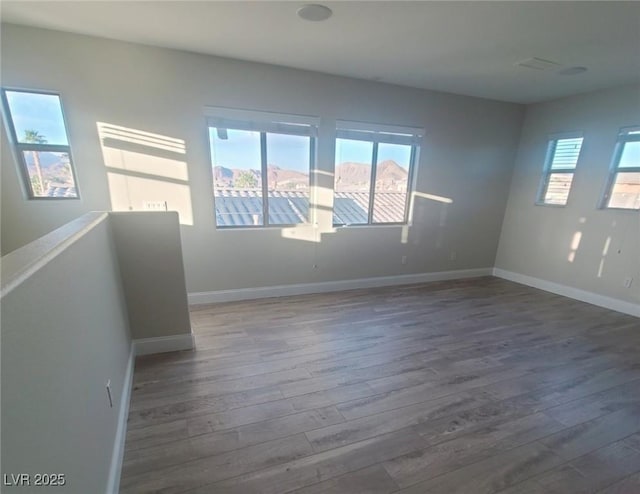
point(460, 47)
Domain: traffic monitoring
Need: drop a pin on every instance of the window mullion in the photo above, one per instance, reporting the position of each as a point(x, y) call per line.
point(43, 148)
point(412, 160)
point(613, 173)
point(313, 183)
point(372, 185)
point(265, 178)
point(552, 153)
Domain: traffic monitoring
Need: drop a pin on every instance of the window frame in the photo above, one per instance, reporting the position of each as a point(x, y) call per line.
point(19, 148)
point(377, 134)
point(264, 123)
point(624, 135)
point(547, 171)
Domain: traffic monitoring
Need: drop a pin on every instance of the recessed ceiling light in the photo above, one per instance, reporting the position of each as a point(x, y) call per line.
point(572, 71)
point(314, 12)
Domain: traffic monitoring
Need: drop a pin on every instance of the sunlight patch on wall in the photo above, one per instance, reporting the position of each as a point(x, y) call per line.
point(605, 251)
point(135, 136)
point(575, 245)
point(135, 161)
point(142, 192)
point(433, 197)
point(144, 170)
point(444, 203)
point(321, 220)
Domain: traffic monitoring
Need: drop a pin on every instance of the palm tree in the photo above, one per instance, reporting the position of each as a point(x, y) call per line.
point(34, 137)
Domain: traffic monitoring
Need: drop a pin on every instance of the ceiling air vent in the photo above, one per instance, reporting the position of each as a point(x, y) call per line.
point(538, 64)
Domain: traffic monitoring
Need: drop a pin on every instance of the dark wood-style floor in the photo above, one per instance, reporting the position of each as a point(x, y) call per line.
point(476, 387)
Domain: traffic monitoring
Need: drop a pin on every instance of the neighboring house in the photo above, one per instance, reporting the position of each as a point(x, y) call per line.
point(60, 190)
point(244, 207)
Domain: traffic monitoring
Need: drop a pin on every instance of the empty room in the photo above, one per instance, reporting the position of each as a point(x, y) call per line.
point(352, 247)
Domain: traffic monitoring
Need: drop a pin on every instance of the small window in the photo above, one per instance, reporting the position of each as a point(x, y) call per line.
point(623, 187)
point(560, 164)
point(261, 168)
point(373, 173)
point(38, 131)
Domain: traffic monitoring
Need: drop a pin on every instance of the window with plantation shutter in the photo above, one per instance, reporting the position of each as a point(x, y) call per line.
point(559, 168)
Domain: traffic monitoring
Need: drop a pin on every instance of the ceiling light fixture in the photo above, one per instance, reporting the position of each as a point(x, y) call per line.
point(314, 12)
point(572, 71)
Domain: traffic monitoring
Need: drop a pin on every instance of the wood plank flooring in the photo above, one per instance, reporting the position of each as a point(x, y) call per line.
point(478, 387)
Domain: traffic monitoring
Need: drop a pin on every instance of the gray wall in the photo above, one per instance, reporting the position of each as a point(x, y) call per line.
point(467, 156)
point(538, 240)
point(64, 334)
point(152, 273)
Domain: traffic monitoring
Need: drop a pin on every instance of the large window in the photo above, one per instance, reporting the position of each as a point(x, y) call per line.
point(373, 173)
point(261, 167)
point(38, 131)
point(559, 168)
point(623, 186)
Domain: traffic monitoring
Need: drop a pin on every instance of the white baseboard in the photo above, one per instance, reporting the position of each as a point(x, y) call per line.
point(162, 344)
point(138, 347)
point(197, 298)
point(568, 291)
point(113, 485)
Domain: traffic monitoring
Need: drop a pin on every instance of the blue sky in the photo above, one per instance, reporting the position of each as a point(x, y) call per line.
point(40, 112)
point(631, 155)
point(401, 154)
point(241, 150)
point(361, 152)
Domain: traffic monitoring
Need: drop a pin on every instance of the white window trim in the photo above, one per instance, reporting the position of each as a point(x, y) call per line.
point(548, 161)
point(624, 136)
point(20, 147)
point(264, 123)
point(383, 133)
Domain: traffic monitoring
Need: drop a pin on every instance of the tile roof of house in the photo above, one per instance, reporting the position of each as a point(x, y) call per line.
point(244, 207)
point(60, 190)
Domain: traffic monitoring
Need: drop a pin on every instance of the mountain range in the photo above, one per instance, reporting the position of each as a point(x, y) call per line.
point(55, 167)
point(350, 177)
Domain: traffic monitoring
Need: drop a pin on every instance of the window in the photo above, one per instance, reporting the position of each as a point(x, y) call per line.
point(373, 173)
point(560, 164)
point(623, 187)
point(261, 167)
point(37, 128)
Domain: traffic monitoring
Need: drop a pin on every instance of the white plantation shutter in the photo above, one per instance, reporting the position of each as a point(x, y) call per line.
point(563, 152)
point(258, 121)
point(273, 127)
point(566, 153)
point(391, 134)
